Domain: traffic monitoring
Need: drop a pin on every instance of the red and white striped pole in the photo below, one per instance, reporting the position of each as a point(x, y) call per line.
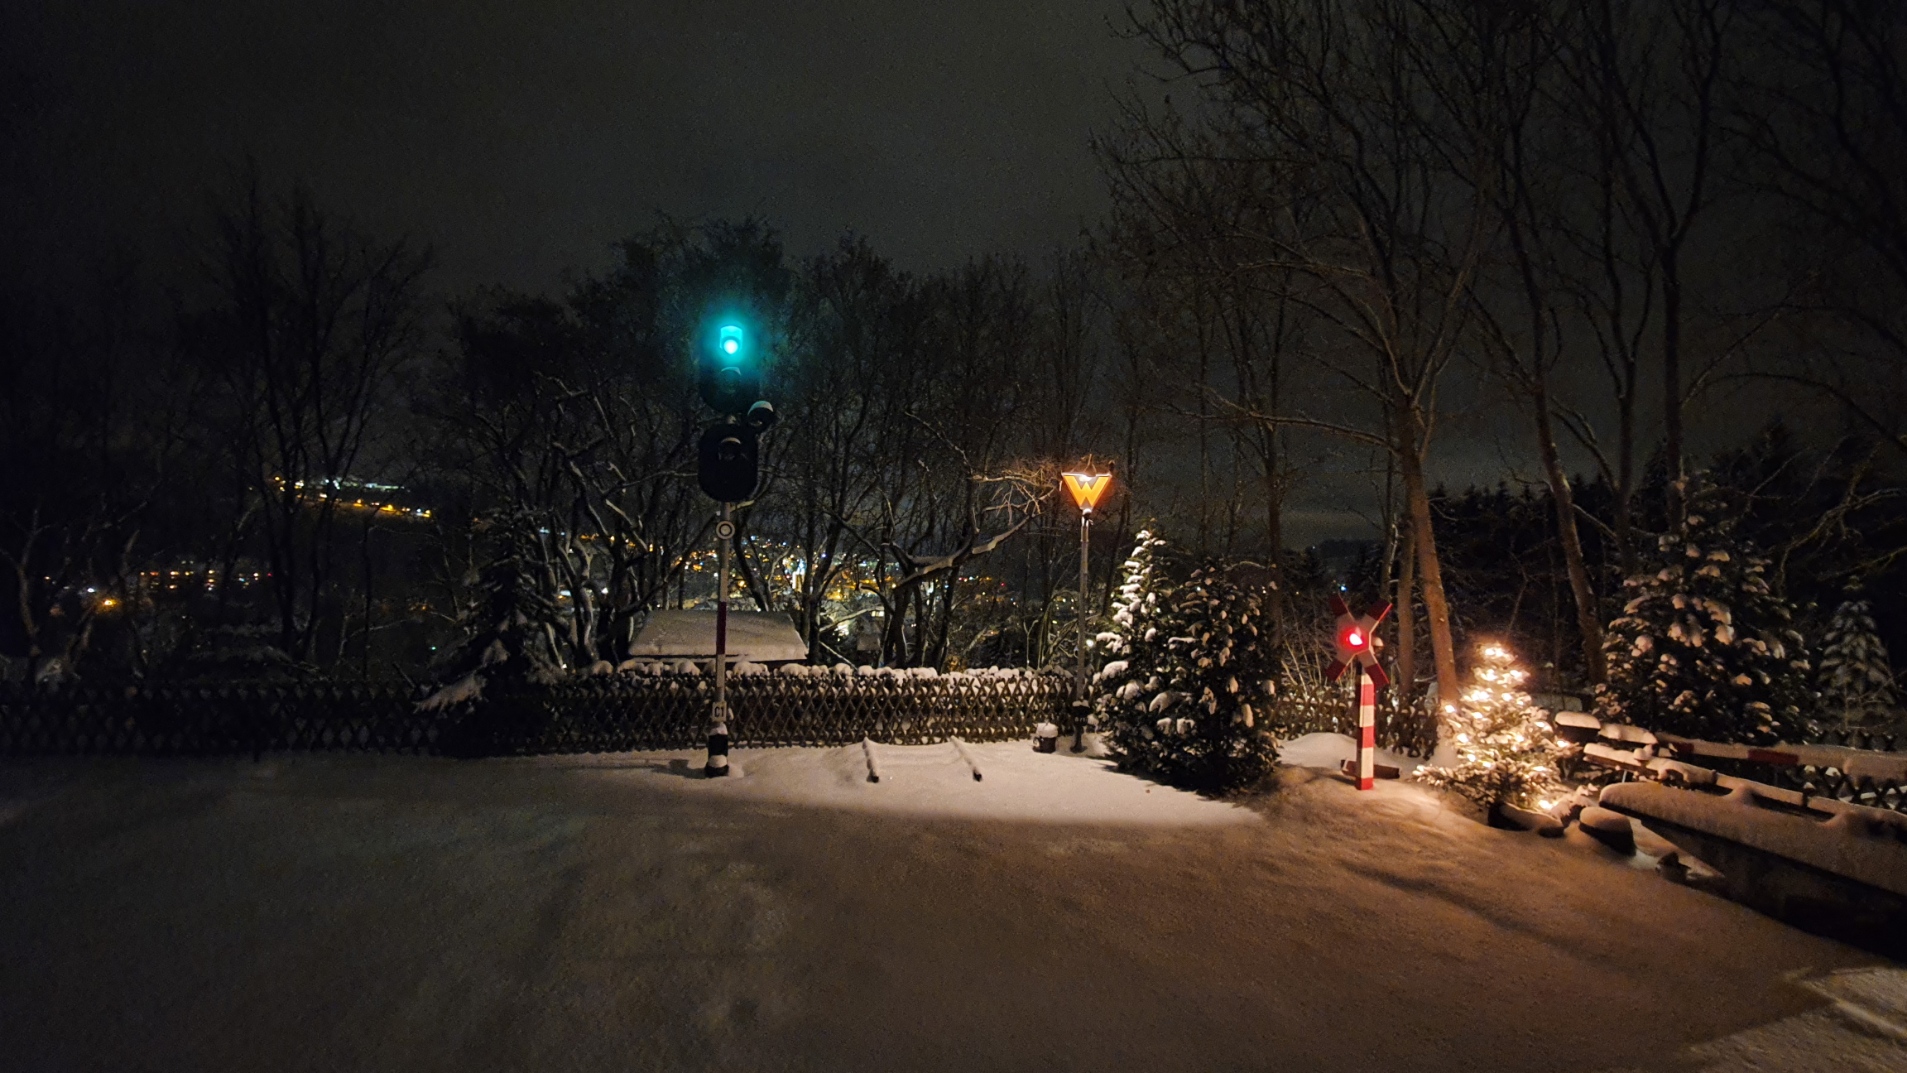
point(1366, 728)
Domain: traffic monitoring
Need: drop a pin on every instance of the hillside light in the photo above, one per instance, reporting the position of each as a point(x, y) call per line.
point(1086, 489)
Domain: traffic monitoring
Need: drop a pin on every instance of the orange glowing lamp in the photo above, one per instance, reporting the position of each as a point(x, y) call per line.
point(1087, 488)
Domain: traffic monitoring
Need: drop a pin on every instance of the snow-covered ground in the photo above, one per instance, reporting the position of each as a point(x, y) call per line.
point(1330, 750)
point(619, 912)
point(1016, 784)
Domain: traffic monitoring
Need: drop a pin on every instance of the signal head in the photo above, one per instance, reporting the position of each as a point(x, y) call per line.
point(726, 462)
point(728, 360)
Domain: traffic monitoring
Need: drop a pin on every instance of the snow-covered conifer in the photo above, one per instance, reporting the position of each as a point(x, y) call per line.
point(1857, 685)
point(1140, 583)
point(1188, 696)
point(1506, 749)
point(1704, 646)
point(505, 622)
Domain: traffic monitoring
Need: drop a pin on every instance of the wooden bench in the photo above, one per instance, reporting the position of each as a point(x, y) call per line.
point(1825, 865)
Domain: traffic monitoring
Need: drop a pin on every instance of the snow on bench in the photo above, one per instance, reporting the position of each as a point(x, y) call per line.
point(1868, 846)
point(1830, 867)
point(1855, 763)
point(1634, 750)
point(1633, 761)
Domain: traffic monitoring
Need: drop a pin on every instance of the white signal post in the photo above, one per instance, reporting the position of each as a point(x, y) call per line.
point(1086, 489)
point(717, 765)
point(1357, 644)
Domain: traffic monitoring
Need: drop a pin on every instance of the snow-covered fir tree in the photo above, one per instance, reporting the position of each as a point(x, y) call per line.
point(1704, 646)
point(506, 621)
point(1140, 584)
point(1187, 698)
point(1857, 685)
point(1506, 750)
point(1129, 647)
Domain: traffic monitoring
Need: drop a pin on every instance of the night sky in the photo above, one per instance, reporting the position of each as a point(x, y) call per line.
point(521, 139)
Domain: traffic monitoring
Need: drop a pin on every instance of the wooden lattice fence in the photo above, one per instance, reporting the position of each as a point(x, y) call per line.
point(1326, 709)
point(592, 715)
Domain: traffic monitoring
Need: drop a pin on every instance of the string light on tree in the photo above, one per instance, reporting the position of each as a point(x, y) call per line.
point(1506, 749)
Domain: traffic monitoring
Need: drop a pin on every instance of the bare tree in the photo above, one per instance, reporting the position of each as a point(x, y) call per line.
point(92, 406)
point(1821, 101)
point(575, 421)
point(1336, 105)
point(1648, 78)
point(1502, 76)
point(306, 325)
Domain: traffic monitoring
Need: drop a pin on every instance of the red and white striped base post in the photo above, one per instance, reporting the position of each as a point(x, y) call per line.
point(1366, 729)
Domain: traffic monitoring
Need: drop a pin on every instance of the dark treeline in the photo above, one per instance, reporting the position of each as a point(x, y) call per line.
point(1601, 230)
point(292, 472)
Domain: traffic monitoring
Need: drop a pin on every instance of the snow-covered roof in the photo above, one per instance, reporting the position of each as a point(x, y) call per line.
point(756, 636)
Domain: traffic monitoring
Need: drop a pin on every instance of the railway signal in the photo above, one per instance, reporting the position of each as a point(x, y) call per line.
point(1357, 647)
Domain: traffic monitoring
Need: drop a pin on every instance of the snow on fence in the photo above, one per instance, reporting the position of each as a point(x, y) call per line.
point(609, 714)
point(1873, 777)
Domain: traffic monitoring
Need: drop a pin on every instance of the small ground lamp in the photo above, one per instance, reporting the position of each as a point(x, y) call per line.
point(1087, 489)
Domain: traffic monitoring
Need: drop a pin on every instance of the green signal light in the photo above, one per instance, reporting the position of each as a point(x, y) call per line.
point(731, 339)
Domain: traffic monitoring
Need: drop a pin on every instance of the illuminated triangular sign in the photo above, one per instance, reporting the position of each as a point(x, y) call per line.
point(1087, 488)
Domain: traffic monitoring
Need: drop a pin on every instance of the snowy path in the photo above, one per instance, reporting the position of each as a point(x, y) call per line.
point(327, 913)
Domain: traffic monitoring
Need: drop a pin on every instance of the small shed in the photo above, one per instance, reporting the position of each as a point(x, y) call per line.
point(765, 637)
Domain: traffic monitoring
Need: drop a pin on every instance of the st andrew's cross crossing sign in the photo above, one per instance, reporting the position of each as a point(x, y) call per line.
point(1357, 641)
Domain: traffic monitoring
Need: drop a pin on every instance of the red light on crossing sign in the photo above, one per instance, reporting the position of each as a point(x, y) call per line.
point(1355, 638)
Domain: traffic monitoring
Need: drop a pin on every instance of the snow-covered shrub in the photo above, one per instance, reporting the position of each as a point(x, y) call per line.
point(1506, 749)
point(1857, 685)
point(1184, 697)
point(1704, 646)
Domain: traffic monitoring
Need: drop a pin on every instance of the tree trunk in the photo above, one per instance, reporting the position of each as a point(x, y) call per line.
point(1624, 490)
point(1672, 387)
point(1436, 606)
point(1588, 611)
point(1406, 602)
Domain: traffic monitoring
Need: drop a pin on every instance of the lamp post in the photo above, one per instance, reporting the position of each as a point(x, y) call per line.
point(1086, 490)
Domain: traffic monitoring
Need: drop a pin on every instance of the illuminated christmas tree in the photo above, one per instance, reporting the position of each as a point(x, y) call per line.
point(1506, 751)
